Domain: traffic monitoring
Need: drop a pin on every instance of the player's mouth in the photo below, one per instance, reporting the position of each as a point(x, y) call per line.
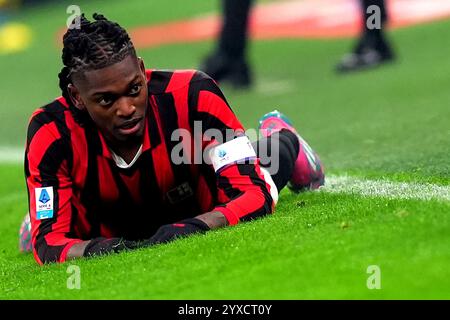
point(131, 126)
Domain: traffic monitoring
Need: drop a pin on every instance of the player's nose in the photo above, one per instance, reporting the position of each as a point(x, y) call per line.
point(125, 107)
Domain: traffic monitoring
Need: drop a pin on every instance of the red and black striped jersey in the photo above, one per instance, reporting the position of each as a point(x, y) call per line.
point(91, 196)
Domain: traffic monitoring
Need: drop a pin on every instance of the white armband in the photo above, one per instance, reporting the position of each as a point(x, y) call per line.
point(236, 150)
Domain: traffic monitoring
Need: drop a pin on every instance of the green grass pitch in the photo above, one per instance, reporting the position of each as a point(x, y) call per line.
point(390, 124)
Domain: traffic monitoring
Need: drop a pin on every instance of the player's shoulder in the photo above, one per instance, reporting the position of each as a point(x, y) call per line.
point(164, 81)
point(51, 115)
point(51, 111)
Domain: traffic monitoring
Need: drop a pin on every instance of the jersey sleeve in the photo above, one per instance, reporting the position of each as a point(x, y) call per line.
point(243, 194)
point(49, 189)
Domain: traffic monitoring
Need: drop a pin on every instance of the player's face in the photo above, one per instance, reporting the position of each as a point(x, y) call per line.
point(115, 97)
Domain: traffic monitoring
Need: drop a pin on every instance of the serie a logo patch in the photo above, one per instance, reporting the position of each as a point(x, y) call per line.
point(44, 203)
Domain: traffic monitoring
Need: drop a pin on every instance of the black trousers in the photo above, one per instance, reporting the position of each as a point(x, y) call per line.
point(234, 32)
point(233, 35)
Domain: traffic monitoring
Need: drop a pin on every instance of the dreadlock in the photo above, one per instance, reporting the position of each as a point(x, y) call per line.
point(94, 45)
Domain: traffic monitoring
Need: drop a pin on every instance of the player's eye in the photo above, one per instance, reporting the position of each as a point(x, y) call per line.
point(105, 101)
point(135, 89)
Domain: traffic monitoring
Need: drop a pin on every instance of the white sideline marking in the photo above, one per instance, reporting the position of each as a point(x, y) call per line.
point(271, 87)
point(11, 154)
point(385, 188)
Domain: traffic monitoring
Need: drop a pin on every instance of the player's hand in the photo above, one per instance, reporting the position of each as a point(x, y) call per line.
point(100, 246)
point(183, 228)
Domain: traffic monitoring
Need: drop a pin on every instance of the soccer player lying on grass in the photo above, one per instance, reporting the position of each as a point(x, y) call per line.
point(101, 161)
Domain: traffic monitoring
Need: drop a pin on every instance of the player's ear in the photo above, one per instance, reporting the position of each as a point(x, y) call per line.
point(74, 95)
point(141, 64)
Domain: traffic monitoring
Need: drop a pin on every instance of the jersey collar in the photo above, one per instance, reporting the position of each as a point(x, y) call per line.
point(151, 136)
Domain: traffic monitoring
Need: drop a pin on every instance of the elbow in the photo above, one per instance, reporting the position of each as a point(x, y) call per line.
point(45, 253)
point(264, 205)
point(268, 200)
point(41, 256)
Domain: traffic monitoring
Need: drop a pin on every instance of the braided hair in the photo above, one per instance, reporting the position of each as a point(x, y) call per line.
point(94, 45)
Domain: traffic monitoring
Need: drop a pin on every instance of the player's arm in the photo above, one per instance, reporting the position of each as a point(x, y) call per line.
point(243, 193)
point(49, 189)
point(49, 186)
point(100, 246)
point(214, 219)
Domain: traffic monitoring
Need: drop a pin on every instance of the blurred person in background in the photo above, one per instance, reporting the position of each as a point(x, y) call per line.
point(372, 48)
point(228, 63)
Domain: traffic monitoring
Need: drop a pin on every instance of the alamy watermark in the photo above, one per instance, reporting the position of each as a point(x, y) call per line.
point(195, 146)
point(74, 20)
point(74, 279)
point(374, 21)
point(374, 280)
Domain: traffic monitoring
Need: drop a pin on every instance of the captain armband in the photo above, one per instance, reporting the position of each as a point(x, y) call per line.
point(239, 150)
